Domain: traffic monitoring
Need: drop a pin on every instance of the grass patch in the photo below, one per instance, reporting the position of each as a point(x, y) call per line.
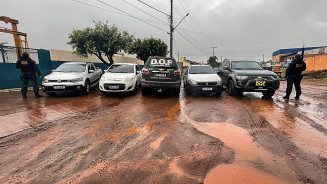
point(320, 75)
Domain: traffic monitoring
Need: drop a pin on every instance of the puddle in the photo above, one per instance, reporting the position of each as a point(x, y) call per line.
point(253, 164)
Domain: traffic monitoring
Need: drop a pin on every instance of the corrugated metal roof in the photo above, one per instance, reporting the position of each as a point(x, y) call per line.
point(293, 50)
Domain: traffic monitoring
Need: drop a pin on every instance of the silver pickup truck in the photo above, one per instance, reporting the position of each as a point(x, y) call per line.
point(72, 76)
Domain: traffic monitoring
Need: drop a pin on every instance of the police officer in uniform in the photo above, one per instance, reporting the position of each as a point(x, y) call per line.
point(29, 70)
point(294, 76)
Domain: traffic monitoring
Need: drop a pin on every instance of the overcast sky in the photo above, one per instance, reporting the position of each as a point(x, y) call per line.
point(240, 29)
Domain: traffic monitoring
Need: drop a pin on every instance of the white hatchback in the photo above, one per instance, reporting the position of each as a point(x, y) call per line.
point(121, 77)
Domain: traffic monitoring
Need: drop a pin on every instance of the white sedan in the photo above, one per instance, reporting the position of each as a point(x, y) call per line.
point(121, 77)
point(72, 76)
point(202, 79)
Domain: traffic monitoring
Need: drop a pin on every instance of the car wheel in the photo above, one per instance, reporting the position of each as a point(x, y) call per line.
point(146, 90)
point(51, 93)
point(104, 93)
point(176, 92)
point(268, 94)
point(135, 88)
point(218, 93)
point(87, 87)
point(231, 88)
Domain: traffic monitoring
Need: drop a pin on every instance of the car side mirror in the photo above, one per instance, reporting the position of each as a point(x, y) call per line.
point(218, 72)
point(105, 70)
point(53, 70)
point(91, 71)
point(138, 72)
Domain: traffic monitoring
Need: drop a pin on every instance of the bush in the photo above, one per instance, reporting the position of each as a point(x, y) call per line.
point(322, 74)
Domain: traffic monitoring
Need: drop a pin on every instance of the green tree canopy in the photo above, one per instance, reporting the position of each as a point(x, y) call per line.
point(101, 40)
point(148, 47)
point(212, 61)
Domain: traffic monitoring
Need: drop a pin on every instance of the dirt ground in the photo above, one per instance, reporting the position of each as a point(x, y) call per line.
point(158, 138)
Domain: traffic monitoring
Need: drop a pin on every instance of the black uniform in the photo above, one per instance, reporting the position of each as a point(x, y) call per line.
point(294, 76)
point(29, 69)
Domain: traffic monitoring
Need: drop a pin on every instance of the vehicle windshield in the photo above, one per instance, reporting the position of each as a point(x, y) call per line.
point(121, 69)
point(201, 70)
point(71, 68)
point(245, 65)
point(161, 63)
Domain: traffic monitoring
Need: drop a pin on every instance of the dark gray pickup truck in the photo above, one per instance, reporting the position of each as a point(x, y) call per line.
point(247, 76)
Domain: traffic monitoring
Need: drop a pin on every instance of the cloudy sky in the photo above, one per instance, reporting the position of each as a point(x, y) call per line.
point(240, 29)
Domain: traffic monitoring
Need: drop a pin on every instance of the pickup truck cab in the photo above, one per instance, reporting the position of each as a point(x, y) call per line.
point(247, 76)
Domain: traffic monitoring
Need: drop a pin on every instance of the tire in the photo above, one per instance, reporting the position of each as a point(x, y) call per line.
point(268, 94)
point(187, 91)
point(135, 89)
point(104, 93)
point(146, 90)
point(218, 93)
point(231, 89)
point(176, 92)
point(51, 93)
point(87, 87)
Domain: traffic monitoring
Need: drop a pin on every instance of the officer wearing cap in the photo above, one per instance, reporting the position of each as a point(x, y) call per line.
point(29, 69)
point(294, 76)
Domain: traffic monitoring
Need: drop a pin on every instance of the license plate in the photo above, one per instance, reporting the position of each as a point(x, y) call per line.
point(160, 75)
point(113, 87)
point(260, 83)
point(58, 87)
point(206, 89)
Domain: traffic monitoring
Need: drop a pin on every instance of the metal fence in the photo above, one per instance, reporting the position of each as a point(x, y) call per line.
point(9, 75)
point(9, 55)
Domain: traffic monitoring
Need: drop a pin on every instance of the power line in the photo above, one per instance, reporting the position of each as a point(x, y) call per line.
point(125, 13)
point(144, 12)
point(153, 7)
point(112, 10)
point(188, 40)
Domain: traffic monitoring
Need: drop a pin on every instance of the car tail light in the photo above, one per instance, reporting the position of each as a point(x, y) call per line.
point(177, 72)
point(145, 70)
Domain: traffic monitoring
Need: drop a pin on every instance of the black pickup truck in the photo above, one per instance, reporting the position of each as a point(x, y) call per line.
point(247, 76)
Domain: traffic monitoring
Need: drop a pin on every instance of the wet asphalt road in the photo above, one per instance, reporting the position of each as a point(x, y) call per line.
point(163, 139)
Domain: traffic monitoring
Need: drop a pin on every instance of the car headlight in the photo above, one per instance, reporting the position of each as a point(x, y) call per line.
point(219, 81)
point(129, 79)
point(191, 81)
point(102, 79)
point(45, 80)
point(274, 77)
point(80, 79)
point(241, 77)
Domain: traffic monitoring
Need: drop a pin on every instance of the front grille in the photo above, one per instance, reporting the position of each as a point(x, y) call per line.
point(121, 86)
point(206, 83)
point(59, 81)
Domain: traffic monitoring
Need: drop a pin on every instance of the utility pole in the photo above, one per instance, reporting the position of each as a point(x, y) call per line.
point(178, 56)
point(263, 57)
point(213, 51)
point(171, 28)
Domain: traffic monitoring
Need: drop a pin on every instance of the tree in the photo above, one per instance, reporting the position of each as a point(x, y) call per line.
point(212, 61)
point(102, 40)
point(148, 47)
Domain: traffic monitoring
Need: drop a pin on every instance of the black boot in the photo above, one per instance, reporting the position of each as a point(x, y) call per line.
point(24, 96)
point(286, 97)
point(38, 96)
point(297, 97)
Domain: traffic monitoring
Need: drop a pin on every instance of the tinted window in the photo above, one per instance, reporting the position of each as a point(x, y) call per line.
point(71, 68)
point(121, 69)
point(161, 63)
point(245, 65)
point(201, 70)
